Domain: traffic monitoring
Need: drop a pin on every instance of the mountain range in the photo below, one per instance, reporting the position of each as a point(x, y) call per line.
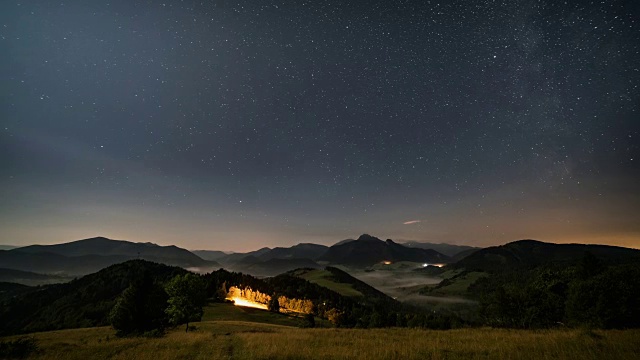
point(543, 268)
point(86, 256)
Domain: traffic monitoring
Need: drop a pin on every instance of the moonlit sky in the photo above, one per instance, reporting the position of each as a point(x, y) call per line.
point(237, 125)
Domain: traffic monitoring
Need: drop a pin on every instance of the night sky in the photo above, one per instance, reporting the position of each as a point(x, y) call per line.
point(236, 125)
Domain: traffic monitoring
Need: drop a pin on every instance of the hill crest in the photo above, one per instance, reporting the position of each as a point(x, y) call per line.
point(529, 253)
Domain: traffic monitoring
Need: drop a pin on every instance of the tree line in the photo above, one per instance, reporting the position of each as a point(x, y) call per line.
point(589, 293)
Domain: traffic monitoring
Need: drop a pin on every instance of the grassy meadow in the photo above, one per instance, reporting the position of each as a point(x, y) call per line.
point(248, 340)
point(325, 278)
point(229, 312)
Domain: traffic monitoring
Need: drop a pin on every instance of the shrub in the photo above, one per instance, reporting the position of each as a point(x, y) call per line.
point(18, 349)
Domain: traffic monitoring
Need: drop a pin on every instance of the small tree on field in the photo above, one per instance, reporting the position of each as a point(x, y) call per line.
point(187, 295)
point(309, 321)
point(274, 304)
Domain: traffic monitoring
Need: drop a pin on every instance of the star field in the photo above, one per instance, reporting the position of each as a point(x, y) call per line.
point(233, 126)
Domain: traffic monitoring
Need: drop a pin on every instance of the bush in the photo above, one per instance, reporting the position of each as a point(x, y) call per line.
point(18, 349)
point(308, 321)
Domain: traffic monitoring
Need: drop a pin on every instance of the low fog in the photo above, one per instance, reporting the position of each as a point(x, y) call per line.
point(397, 284)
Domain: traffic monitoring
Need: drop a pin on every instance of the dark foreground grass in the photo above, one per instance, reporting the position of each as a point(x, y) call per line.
point(226, 311)
point(229, 312)
point(244, 340)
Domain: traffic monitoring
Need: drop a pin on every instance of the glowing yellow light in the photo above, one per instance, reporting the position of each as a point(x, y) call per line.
point(386, 262)
point(247, 303)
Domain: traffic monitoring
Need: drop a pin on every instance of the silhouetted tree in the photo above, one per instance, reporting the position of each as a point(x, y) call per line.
point(274, 304)
point(140, 308)
point(589, 265)
point(187, 296)
point(376, 321)
point(309, 321)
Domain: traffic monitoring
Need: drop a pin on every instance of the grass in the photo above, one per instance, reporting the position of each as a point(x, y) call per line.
point(229, 312)
point(244, 340)
point(325, 278)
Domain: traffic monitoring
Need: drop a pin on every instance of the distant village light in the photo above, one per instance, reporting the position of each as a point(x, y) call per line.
point(387, 262)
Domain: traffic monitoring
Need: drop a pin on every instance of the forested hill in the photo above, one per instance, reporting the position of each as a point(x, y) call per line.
point(84, 302)
point(524, 254)
point(533, 284)
point(87, 301)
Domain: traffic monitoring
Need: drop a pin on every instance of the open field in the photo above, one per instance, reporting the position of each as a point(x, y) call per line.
point(229, 312)
point(244, 340)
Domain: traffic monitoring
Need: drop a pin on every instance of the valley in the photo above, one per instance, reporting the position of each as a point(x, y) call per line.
point(332, 300)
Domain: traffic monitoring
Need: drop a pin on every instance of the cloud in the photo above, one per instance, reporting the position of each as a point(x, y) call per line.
point(411, 222)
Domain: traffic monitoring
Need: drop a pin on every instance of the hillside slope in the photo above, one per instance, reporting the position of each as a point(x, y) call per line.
point(84, 302)
point(277, 266)
point(443, 248)
point(29, 278)
point(339, 281)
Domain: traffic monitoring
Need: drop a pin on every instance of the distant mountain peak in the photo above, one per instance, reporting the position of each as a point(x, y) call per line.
point(96, 238)
point(367, 237)
point(369, 250)
point(526, 241)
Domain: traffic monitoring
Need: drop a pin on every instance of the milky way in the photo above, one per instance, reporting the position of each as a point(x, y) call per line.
point(236, 125)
